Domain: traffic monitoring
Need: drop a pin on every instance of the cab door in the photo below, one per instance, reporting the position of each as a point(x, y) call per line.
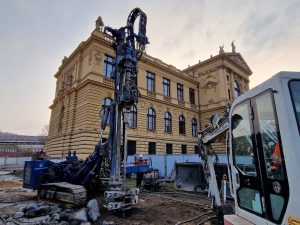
point(271, 154)
point(261, 185)
point(247, 177)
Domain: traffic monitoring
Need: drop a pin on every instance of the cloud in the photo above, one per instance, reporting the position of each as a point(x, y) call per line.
point(35, 35)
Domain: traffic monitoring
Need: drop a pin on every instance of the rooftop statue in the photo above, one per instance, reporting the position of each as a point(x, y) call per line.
point(221, 49)
point(233, 46)
point(99, 23)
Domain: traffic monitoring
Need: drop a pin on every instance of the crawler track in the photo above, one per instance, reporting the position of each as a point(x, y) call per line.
point(63, 192)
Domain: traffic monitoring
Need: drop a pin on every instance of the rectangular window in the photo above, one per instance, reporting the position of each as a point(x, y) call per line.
point(295, 93)
point(150, 81)
point(131, 147)
point(196, 149)
point(229, 94)
point(180, 92)
point(192, 96)
point(266, 117)
point(241, 137)
point(166, 87)
point(108, 66)
point(183, 149)
point(169, 148)
point(151, 148)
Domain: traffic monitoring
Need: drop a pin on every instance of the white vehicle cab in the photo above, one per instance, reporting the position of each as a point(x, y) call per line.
point(264, 140)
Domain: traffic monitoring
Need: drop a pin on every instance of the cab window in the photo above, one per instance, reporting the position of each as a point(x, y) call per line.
point(241, 139)
point(269, 136)
point(295, 95)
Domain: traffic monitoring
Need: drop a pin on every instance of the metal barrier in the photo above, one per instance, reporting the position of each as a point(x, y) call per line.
point(6, 161)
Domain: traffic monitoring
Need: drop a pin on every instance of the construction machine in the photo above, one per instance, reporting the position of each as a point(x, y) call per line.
point(68, 180)
point(262, 129)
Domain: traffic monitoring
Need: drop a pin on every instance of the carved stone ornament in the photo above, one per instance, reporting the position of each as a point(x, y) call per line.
point(208, 82)
point(98, 58)
point(160, 108)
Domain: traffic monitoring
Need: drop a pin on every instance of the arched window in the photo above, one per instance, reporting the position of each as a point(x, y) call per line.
point(151, 119)
point(106, 102)
point(168, 122)
point(132, 117)
point(194, 127)
point(237, 90)
point(181, 124)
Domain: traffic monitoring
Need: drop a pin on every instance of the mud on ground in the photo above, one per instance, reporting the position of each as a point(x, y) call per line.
point(151, 209)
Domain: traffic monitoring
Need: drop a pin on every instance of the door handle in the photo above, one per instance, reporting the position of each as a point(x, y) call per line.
point(237, 178)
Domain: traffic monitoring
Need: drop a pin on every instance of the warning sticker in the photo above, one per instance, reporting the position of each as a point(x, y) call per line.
point(293, 220)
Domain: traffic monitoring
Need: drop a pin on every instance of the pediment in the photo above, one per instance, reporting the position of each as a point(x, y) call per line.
point(239, 60)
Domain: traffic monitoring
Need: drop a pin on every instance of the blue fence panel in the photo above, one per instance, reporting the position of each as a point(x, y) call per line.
point(165, 163)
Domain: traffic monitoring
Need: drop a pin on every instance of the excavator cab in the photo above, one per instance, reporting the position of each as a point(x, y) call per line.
point(264, 155)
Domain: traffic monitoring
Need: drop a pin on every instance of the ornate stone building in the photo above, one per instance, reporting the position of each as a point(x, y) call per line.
point(173, 106)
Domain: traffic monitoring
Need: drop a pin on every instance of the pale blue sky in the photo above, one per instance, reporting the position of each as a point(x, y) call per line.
point(36, 34)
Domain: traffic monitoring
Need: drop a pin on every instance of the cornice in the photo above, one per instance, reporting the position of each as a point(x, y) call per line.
point(222, 57)
point(95, 36)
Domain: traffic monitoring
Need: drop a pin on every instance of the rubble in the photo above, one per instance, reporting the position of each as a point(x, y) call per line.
point(93, 210)
point(15, 202)
point(18, 215)
point(79, 215)
point(36, 220)
point(35, 210)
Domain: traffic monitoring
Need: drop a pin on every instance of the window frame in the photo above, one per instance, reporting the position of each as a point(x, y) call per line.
point(181, 121)
point(168, 119)
point(194, 127)
point(192, 96)
point(183, 149)
point(151, 148)
point(133, 113)
point(196, 149)
point(104, 102)
point(169, 151)
point(108, 63)
point(150, 81)
point(180, 92)
point(129, 145)
point(151, 116)
point(293, 102)
point(166, 87)
point(237, 89)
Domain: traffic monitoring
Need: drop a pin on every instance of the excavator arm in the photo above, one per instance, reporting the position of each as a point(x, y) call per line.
point(218, 127)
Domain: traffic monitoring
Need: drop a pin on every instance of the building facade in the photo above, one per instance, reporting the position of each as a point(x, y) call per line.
point(173, 106)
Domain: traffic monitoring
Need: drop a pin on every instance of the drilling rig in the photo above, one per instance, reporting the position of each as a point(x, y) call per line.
point(69, 180)
point(129, 48)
